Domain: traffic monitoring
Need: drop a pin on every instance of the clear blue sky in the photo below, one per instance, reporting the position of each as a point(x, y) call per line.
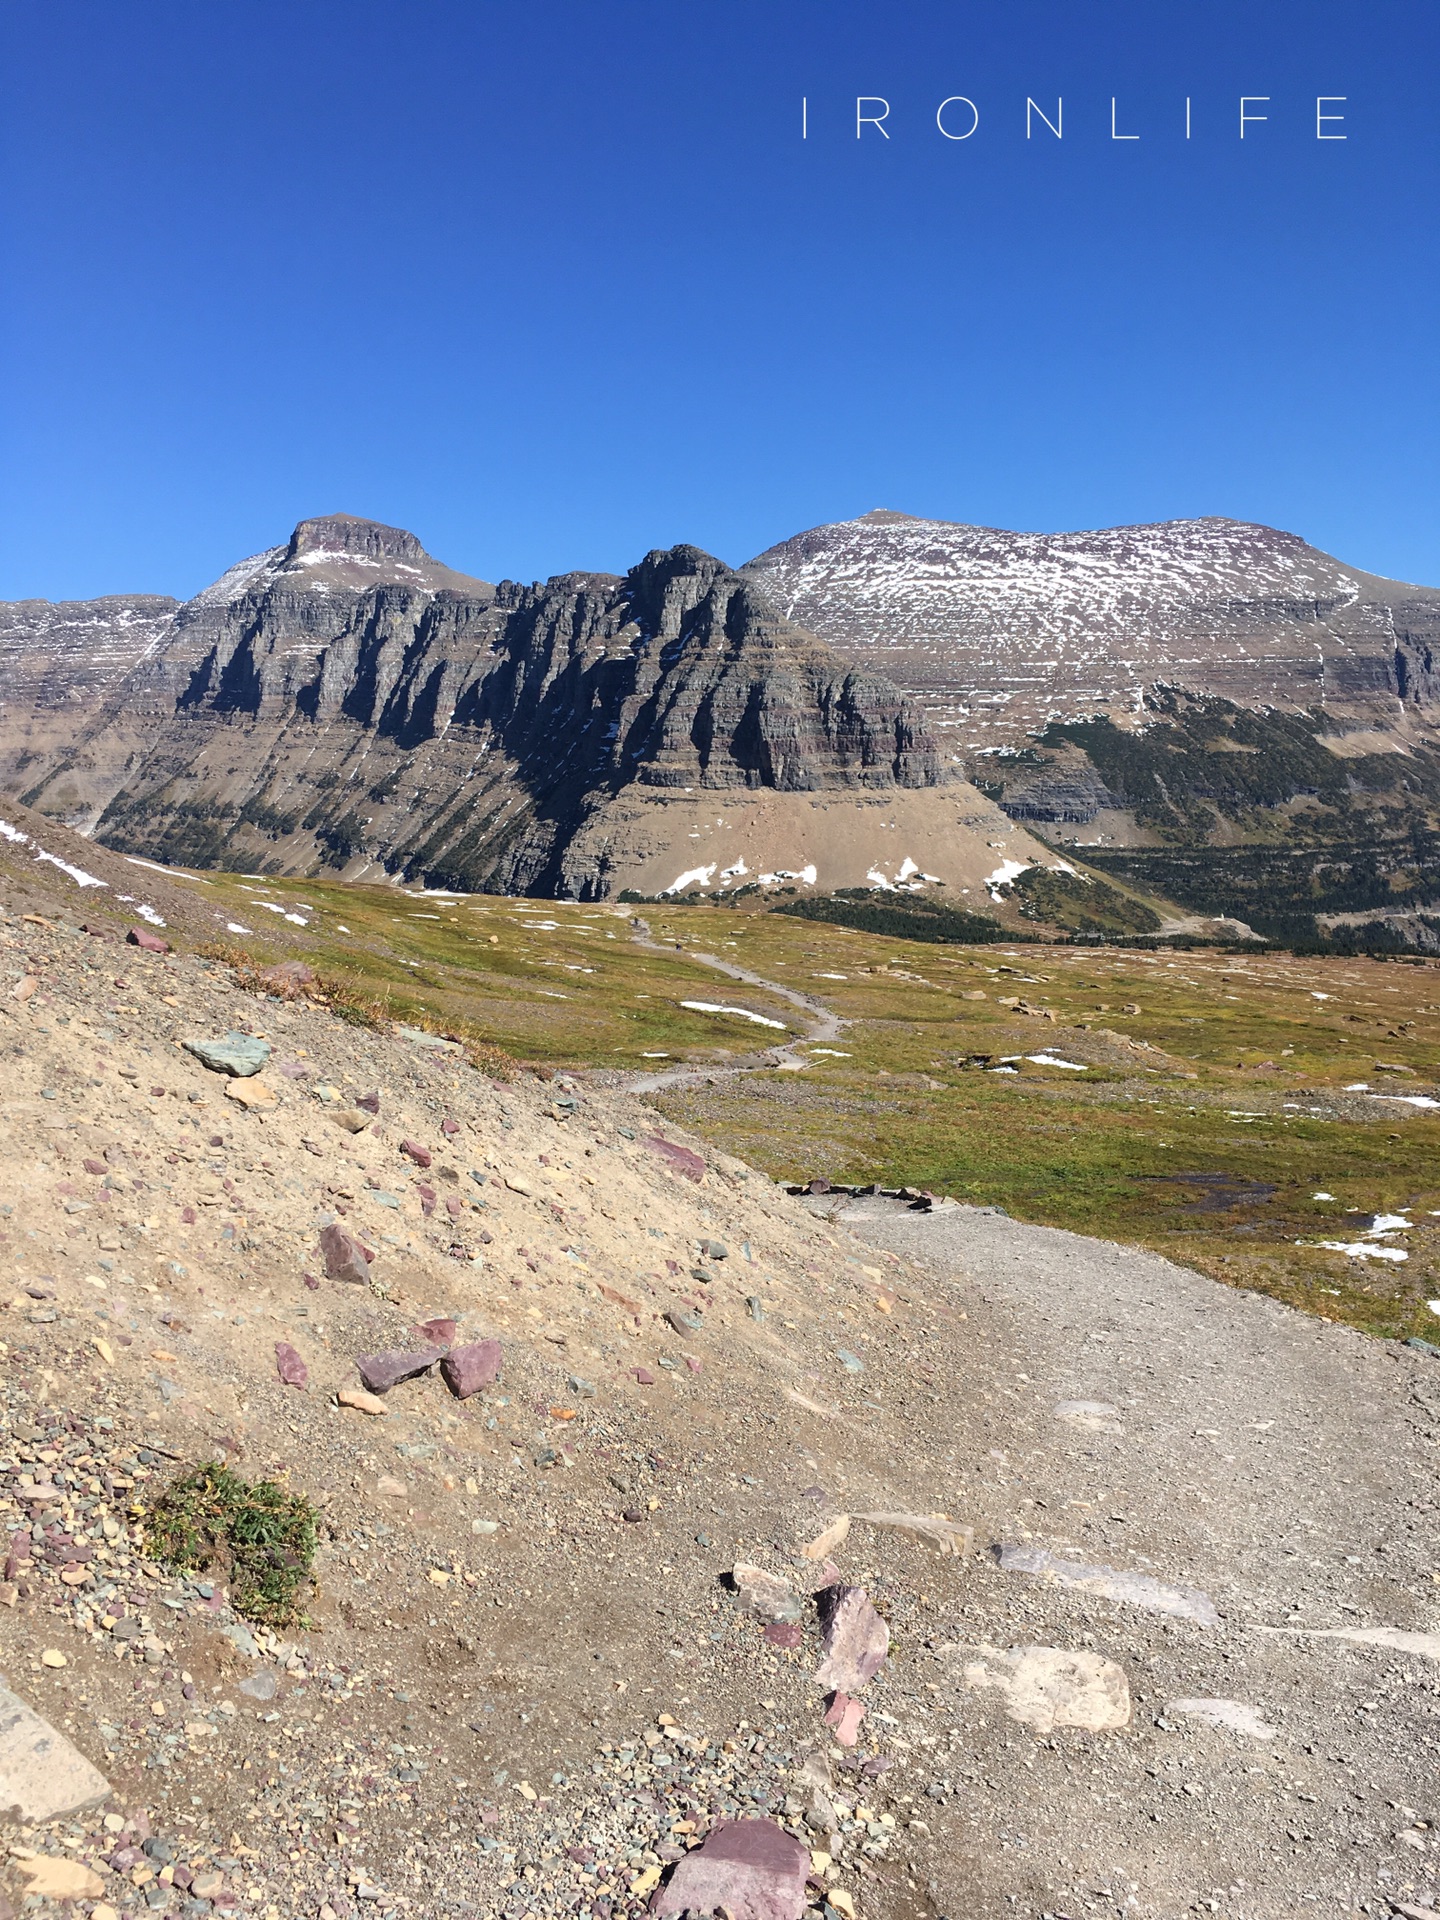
point(552, 282)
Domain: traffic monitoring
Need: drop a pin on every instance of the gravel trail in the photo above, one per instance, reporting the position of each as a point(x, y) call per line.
point(1282, 1467)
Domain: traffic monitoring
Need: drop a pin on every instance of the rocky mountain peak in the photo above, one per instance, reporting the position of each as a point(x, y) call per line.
point(333, 534)
point(667, 586)
point(340, 552)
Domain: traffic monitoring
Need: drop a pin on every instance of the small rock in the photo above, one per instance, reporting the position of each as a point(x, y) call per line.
point(466, 1369)
point(750, 1869)
point(784, 1633)
point(769, 1596)
point(824, 1544)
point(238, 1054)
point(369, 1102)
point(844, 1715)
point(682, 1321)
point(149, 942)
point(644, 1377)
point(382, 1371)
point(412, 1150)
point(351, 1119)
point(41, 1773)
point(856, 1640)
point(253, 1095)
point(935, 1530)
point(291, 1368)
point(59, 1879)
point(287, 977)
point(438, 1332)
point(261, 1686)
point(680, 1159)
point(346, 1258)
point(391, 1488)
point(362, 1401)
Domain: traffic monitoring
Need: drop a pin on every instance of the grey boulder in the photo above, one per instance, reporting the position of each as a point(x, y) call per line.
point(238, 1054)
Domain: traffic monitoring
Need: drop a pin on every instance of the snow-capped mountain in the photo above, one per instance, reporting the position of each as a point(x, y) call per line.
point(995, 632)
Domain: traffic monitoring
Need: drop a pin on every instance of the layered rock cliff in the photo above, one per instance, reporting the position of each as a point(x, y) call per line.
point(346, 700)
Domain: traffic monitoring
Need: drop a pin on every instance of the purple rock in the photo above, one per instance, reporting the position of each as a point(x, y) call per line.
point(438, 1332)
point(346, 1258)
point(856, 1639)
point(291, 1368)
point(751, 1869)
point(369, 1101)
point(466, 1369)
point(382, 1371)
point(785, 1633)
point(680, 1159)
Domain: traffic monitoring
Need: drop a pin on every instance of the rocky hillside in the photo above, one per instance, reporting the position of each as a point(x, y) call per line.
point(431, 1489)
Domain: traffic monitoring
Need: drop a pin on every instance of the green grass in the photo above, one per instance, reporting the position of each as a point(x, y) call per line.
point(1198, 1063)
point(256, 1536)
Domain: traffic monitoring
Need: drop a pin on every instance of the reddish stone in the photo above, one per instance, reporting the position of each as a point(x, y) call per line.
point(369, 1101)
point(291, 1368)
point(382, 1371)
point(856, 1639)
point(95, 1166)
point(785, 1633)
point(679, 1159)
point(469, 1368)
point(438, 1332)
point(844, 1714)
point(645, 1377)
point(149, 942)
point(412, 1149)
point(428, 1197)
point(346, 1258)
point(749, 1869)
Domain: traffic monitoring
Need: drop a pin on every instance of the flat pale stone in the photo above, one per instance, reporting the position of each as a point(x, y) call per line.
point(41, 1773)
point(254, 1095)
point(1049, 1687)
point(935, 1530)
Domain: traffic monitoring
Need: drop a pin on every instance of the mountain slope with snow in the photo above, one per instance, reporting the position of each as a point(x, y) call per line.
point(995, 632)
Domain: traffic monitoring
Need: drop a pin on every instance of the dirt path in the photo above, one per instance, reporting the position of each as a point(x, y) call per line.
point(825, 1024)
point(1283, 1467)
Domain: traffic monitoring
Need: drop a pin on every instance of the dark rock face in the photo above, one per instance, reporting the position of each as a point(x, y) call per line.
point(994, 633)
point(347, 700)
